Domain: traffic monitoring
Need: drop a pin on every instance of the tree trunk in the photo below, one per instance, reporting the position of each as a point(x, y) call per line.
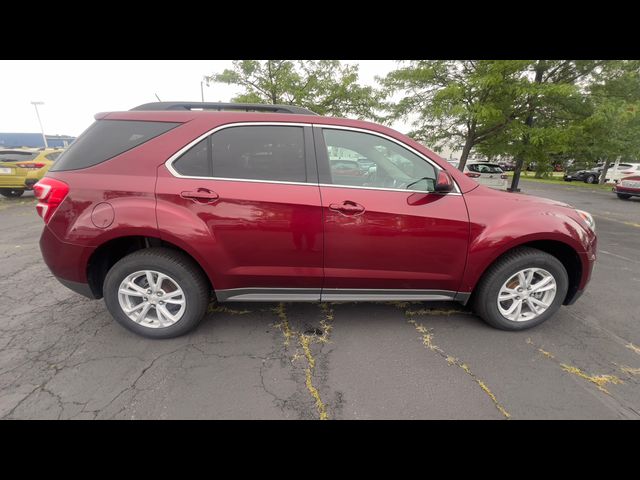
point(516, 174)
point(603, 174)
point(525, 139)
point(466, 150)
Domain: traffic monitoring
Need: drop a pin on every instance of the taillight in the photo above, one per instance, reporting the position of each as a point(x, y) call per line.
point(50, 194)
point(30, 165)
point(472, 175)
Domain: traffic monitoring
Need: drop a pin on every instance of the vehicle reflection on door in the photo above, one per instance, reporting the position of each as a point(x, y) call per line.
point(305, 231)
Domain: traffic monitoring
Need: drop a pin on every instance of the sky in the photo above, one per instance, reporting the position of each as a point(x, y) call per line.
point(73, 91)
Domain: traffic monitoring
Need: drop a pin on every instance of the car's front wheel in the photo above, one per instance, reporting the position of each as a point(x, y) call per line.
point(11, 192)
point(624, 196)
point(522, 289)
point(157, 293)
point(590, 179)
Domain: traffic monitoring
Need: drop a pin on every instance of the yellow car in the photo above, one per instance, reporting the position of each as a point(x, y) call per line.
point(21, 168)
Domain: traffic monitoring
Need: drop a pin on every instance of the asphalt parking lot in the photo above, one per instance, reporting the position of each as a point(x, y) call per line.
point(62, 356)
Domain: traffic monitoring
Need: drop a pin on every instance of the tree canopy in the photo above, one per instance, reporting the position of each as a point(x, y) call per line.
point(327, 87)
point(459, 104)
point(533, 111)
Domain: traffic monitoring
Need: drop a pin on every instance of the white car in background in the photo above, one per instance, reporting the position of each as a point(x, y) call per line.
point(488, 174)
point(623, 170)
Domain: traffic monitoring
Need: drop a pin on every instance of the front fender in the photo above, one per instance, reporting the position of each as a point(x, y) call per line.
point(494, 231)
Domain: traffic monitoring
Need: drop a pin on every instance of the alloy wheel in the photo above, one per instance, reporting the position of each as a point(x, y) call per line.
point(152, 299)
point(527, 294)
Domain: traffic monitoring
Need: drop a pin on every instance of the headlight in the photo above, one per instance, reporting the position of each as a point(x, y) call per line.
point(588, 219)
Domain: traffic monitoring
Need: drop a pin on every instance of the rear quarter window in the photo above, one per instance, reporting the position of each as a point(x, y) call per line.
point(107, 138)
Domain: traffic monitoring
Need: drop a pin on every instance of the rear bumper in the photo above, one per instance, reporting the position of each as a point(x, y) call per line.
point(14, 182)
point(24, 179)
point(68, 262)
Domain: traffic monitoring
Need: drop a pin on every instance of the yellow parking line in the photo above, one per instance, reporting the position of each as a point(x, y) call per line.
point(631, 224)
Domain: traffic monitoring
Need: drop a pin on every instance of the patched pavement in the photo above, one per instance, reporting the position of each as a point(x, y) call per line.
point(62, 356)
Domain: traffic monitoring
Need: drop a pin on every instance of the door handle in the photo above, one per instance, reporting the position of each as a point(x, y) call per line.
point(200, 195)
point(347, 208)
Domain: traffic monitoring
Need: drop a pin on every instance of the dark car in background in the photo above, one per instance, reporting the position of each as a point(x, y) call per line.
point(507, 166)
point(586, 175)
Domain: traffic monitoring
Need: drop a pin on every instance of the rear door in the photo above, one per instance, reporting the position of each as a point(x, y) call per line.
point(247, 197)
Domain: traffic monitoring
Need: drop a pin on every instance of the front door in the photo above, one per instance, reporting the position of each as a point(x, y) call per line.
point(247, 199)
point(387, 235)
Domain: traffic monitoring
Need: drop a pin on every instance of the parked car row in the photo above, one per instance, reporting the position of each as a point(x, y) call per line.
point(21, 168)
point(614, 174)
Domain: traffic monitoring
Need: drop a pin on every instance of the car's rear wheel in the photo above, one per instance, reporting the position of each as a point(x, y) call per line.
point(567, 179)
point(157, 293)
point(11, 192)
point(520, 290)
point(624, 196)
point(590, 179)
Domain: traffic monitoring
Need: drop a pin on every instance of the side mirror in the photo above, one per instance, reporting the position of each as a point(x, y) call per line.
point(444, 183)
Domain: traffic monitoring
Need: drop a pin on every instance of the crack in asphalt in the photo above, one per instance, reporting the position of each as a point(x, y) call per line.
point(427, 341)
point(598, 380)
point(304, 342)
point(632, 347)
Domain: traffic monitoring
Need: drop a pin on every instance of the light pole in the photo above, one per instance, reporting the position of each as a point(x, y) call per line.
point(44, 138)
point(202, 82)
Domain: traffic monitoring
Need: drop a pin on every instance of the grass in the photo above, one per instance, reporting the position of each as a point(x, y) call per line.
point(556, 178)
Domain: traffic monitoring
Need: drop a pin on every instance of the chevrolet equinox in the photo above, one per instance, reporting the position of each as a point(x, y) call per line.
point(160, 208)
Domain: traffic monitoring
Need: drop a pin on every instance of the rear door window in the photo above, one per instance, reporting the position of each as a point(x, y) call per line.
point(267, 152)
point(107, 138)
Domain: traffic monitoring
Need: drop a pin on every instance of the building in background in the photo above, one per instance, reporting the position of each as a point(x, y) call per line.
point(34, 140)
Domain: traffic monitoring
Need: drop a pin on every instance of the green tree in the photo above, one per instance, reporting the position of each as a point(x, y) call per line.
point(459, 104)
point(553, 94)
point(326, 87)
point(612, 131)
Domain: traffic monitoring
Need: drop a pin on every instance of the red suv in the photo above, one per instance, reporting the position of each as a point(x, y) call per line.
point(158, 208)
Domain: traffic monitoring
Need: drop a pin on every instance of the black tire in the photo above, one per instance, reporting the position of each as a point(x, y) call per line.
point(590, 179)
point(179, 267)
point(11, 192)
point(623, 196)
point(567, 179)
point(486, 293)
